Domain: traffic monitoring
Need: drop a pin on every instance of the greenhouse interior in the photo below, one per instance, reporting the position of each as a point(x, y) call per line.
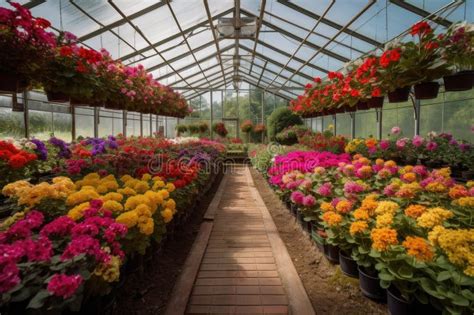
point(237, 157)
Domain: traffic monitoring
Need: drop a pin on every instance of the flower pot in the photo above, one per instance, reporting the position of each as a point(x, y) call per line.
point(362, 105)
point(12, 83)
point(376, 102)
point(369, 283)
point(460, 81)
point(350, 109)
point(426, 90)
point(332, 253)
point(397, 305)
point(399, 95)
point(57, 97)
point(79, 101)
point(348, 265)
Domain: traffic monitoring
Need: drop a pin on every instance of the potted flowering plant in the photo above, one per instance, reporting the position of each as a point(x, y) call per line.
point(25, 47)
point(71, 73)
point(421, 62)
point(203, 128)
point(391, 77)
point(246, 127)
point(458, 52)
point(180, 129)
point(15, 163)
point(220, 129)
point(193, 128)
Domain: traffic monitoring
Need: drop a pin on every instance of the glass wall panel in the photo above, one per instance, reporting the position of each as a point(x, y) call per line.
point(133, 124)
point(231, 109)
point(398, 114)
point(343, 125)
point(365, 123)
point(458, 114)
point(84, 121)
point(12, 124)
point(62, 126)
point(146, 125)
point(118, 123)
point(106, 123)
point(170, 127)
point(327, 122)
point(217, 104)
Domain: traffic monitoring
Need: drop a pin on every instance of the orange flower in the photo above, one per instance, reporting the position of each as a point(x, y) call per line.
point(358, 227)
point(435, 187)
point(326, 206)
point(409, 177)
point(414, 211)
point(343, 206)
point(379, 162)
point(332, 218)
point(371, 142)
point(361, 214)
point(458, 191)
point(382, 238)
point(390, 163)
point(419, 248)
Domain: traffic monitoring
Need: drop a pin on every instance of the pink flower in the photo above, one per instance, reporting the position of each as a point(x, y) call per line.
point(417, 141)
point(384, 144)
point(431, 146)
point(9, 275)
point(395, 130)
point(325, 189)
point(63, 285)
point(401, 143)
point(353, 188)
point(59, 227)
point(420, 170)
point(297, 197)
point(309, 201)
point(85, 244)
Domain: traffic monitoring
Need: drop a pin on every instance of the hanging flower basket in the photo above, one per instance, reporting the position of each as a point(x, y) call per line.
point(362, 105)
point(399, 95)
point(79, 101)
point(57, 97)
point(11, 83)
point(376, 102)
point(459, 81)
point(350, 109)
point(426, 90)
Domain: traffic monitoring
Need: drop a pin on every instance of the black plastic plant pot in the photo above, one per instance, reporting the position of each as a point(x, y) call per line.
point(57, 97)
point(348, 265)
point(8, 83)
point(350, 109)
point(376, 102)
point(362, 105)
point(332, 253)
point(459, 81)
point(426, 90)
point(369, 283)
point(399, 95)
point(397, 305)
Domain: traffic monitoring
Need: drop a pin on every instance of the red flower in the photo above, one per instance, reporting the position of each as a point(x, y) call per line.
point(80, 67)
point(317, 79)
point(431, 45)
point(17, 161)
point(43, 23)
point(65, 51)
point(389, 56)
point(308, 86)
point(421, 28)
point(376, 92)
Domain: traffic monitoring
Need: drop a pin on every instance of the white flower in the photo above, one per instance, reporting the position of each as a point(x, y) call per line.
point(30, 145)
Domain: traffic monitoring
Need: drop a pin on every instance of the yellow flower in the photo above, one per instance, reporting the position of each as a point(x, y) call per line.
point(129, 218)
point(171, 204)
point(131, 183)
point(109, 271)
point(465, 202)
point(433, 217)
point(419, 248)
point(126, 178)
point(360, 214)
point(379, 162)
point(170, 187)
point(382, 238)
point(133, 201)
point(156, 178)
point(127, 191)
point(92, 176)
point(146, 177)
point(436, 187)
point(14, 188)
point(77, 212)
point(358, 227)
point(167, 215)
point(143, 210)
point(112, 205)
point(164, 194)
point(154, 197)
point(384, 220)
point(85, 194)
point(102, 189)
point(470, 184)
point(147, 227)
point(112, 196)
point(434, 234)
point(158, 185)
point(445, 172)
point(141, 187)
point(459, 246)
point(387, 207)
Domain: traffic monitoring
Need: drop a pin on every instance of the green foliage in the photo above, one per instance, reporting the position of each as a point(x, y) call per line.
point(193, 129)
point(280, 119)
point(181, 128)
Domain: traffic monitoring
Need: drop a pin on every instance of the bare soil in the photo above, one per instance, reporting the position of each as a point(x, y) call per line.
point(330, 291)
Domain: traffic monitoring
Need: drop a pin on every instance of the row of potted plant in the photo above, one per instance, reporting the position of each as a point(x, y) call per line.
point(69, 240)
point(434, 150)
point(416, 63)
point(402, 228)
point(32, 56)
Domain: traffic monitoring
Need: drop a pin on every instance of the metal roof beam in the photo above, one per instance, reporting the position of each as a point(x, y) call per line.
point(197, 73)
point(259, 86)
point(331, 23)
point(200, 80)
point(122, 21)
point(194, 63)
point(164, 41)
point(259, 26)
point(214, 36)
point(297, 38)
point(273, 72)
point(423, 13)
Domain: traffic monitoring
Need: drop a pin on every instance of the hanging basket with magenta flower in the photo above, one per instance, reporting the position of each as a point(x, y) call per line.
point(25, 47)
point(220, 129)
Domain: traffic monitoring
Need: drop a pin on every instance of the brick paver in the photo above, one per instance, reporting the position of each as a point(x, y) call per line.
point(238, 273)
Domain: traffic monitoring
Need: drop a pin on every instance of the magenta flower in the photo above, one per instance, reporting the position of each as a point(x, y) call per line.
point(395, 130)
point(420, 170)
point(63, 285)
point(325, 189)
point(431, 146)
point(417, 141)
point(384, 144)
point(401, 143)
point(297, 197)
point(309, 201)
point(353, 188)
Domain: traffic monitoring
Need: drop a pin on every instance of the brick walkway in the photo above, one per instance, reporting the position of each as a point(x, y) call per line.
point(239, 273)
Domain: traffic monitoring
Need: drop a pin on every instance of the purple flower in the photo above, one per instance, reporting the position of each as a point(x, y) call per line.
point(41, 149)
point(464, 146)
point(64, 151)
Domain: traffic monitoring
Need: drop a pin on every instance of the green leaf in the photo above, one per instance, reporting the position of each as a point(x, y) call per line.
point(405, 272)
point(443, 275)
point(38, 300)
point(386, 276)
